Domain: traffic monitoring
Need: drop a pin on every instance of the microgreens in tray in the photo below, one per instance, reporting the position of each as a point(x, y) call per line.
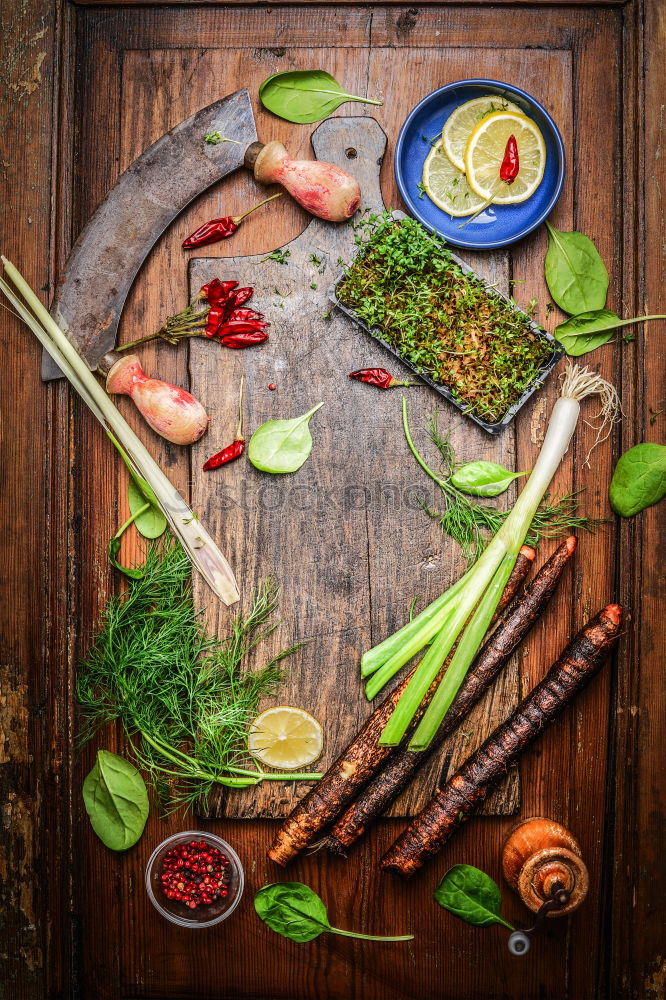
point(466, 339)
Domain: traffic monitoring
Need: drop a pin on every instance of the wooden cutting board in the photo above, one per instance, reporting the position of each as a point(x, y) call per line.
point(346, 536)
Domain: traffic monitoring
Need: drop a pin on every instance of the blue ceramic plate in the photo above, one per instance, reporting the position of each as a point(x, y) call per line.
point(499, 225)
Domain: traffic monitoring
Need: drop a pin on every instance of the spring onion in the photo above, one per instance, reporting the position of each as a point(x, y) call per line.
point(463, 613)
point(198, 544)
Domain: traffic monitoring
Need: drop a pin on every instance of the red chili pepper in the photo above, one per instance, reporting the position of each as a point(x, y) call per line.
point(237, 446)
point(246, 314)
point(222, 317)
point(240, 297)
point(218, 291)
point(220, 229)
point(228, 454)
point(247, 339)
point(216, 315)
point(379, 377)
point(511, 162)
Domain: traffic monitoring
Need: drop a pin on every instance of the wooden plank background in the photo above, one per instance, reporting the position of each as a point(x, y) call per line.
point(85, 89)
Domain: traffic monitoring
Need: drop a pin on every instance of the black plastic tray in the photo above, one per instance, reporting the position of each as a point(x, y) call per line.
point(557, 351)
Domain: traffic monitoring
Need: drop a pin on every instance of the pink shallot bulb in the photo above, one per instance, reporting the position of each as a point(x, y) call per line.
point(171, 411)
point(321, 188)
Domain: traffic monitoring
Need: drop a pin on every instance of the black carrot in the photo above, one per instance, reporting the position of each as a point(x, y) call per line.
point(467, 789)
point(361, 760)
point(399, 769)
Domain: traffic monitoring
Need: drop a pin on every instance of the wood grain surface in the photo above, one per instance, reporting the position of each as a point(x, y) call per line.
point(86, 88)
point(332, 527)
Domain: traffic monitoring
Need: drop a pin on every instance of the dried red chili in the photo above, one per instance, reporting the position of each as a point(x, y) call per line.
point(218, 291)
point(240, 297)
point(237, 446)
point(379, 377)
point(220, 229)
point(246, 314)
point(511, 162)
point(247, 338)
point(223, 318)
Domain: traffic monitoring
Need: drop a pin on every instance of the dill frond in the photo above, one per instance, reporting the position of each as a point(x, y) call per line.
point(472, 523)
point(181, 695)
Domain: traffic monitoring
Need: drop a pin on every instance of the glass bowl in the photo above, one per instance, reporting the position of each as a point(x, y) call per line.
point(177, 911)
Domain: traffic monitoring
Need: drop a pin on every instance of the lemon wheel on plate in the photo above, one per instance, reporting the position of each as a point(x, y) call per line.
point(462, 122)
point(447, 186)
point(485, 151)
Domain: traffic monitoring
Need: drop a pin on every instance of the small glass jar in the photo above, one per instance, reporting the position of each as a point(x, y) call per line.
point(203, 915)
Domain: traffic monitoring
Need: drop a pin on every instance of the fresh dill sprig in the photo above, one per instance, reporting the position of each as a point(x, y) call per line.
point(471, 524)
point(180, 694)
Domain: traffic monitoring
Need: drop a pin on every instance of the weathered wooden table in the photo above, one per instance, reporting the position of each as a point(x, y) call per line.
point(86, 87)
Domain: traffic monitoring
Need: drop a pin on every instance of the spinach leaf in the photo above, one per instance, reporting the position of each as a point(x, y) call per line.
point(292, 910)
point(576, 275)
point(150, 523)
point(296, 912)
point(581, 334)
point(113, 548)
point(305, 95)
point(639, 479)
point(471, 895)
point(116, 801)
point(483, 479)
point(281, 446)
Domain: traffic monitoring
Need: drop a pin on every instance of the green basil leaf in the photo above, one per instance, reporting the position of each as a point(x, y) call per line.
point(292, 910)
point(116, 801)
point(483, 479)
point(304, 96)
point(134, 573)
point(581, 334)
point(471, 895)
point(152, 522)
point(281, 446)
point(576, 275)
point(639, 479)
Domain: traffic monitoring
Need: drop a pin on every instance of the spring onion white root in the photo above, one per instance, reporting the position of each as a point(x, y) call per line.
point(200, 547)
point(478, 592)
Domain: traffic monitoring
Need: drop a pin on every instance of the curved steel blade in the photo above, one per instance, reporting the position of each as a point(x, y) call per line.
point(143, 202)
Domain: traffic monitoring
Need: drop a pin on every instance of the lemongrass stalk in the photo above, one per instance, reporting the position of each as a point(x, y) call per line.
point(198, 544)
point(467, 649)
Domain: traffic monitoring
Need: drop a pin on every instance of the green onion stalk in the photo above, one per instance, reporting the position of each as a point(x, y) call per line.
point(447, 622)
point(198, 544)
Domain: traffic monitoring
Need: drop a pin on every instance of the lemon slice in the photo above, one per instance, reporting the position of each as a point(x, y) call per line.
point(485, 152)
point(447, 186)
point(462, 122)
point(285, 737)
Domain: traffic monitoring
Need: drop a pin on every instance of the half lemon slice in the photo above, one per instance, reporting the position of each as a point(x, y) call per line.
point(447, 186)
point(485, 152)
point(286, 738)
point(462, 122)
